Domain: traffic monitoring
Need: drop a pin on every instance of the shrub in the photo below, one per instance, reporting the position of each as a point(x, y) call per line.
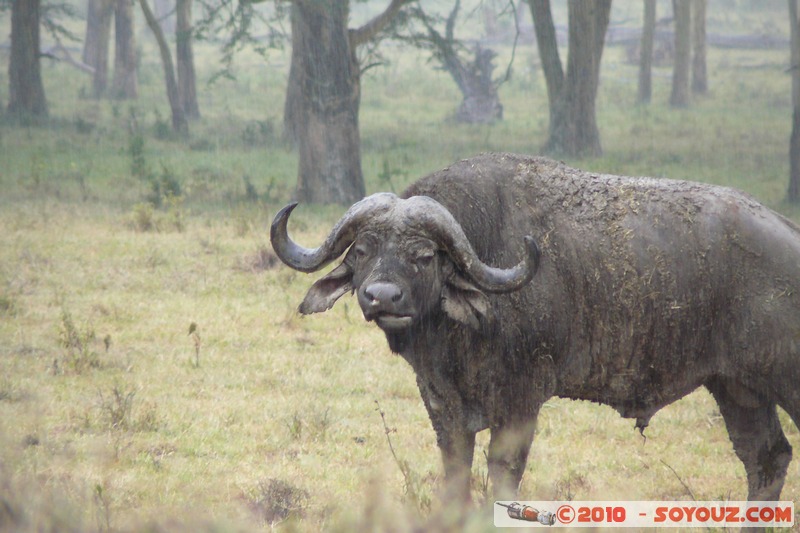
point(117, 411)
point(259, 133)
point(79, 354)
point(142, 217)
point(277, 500)
point(136, 152)
point(163, 187)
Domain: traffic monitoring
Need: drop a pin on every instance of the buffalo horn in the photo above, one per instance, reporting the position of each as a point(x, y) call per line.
point(450, 235)
point(342, 235)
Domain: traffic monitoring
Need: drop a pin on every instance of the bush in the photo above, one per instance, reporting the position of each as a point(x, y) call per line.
point(163, 187)
point(142, 217)
point(136, 153)
point(277, 500)
point(117, 411)
point(259, 133)
point(79, 355)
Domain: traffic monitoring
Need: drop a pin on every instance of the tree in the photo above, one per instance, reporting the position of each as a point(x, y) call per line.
point(480, 100)
point(683, 50)
point(793, 193)
point(646, 52)
point(699, 77)
point(165, 14)
point(91, 31)
point(293, 105)
point(184, 55)
point(573, 126)
point(324, 87)
point(95, 48)
point(323, 98)
point(26, 98)
point(179, 124)
point(125, 82)
point(328, 81)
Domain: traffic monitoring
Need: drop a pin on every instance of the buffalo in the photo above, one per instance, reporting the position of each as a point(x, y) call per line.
point(505, 280)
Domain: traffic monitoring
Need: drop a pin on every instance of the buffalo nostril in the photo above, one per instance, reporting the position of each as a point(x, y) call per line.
point(378, 293)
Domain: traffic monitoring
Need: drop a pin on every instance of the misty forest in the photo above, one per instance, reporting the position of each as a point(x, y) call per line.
point(155, 374)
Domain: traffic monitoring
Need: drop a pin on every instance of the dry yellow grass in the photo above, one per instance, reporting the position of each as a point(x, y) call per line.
point(125, 421)
point(257, 394)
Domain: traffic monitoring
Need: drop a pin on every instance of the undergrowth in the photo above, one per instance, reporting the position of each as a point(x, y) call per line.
point(257, 415)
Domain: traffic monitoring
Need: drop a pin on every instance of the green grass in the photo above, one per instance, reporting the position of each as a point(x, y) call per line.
point(261, 416)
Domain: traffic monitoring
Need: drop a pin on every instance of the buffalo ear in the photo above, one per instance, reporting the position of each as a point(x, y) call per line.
point(464, 302)
point(325, 291)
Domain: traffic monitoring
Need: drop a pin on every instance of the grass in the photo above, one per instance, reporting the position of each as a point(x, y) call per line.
point(116, 415)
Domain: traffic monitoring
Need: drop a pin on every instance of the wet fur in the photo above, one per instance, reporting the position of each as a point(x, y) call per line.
point(647, 289)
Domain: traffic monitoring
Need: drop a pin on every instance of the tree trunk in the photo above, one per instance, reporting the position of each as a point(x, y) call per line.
point(573, 125)
point(548, 51)
point(92, 17)
point(327, 81)
point(793, 192)
point(165, 14)
point(293, 104)
point(646, 52)
point(480, 103)
point(95, 48)
point(187, 86)
point(26, 99)
point(699, 77)
point(125, 83)
point(683, 52)
point(179, 124)
point(323, 96)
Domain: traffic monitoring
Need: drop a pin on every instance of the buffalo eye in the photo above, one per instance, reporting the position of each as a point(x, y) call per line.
point(423, 258)
point(361, 251)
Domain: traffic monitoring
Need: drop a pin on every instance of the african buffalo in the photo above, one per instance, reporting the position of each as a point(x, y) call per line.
point(630, 292)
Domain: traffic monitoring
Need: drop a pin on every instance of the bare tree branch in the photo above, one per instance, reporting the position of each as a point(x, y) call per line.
point(451, 21)
point(54, 51)
point(507, 77)
point(179, 124)
point(371, 29)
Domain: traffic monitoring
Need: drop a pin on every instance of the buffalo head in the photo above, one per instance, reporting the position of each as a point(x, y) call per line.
point(407, 259)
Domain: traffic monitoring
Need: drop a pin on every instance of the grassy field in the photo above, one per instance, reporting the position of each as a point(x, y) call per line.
point(155, 374)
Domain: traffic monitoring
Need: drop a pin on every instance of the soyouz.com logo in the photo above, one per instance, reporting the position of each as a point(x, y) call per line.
point(643, 514)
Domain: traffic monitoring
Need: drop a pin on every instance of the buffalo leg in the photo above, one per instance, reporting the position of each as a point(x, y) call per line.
point(457, 447)
point(456, 442)
point(758, 440)
point(508, 453)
